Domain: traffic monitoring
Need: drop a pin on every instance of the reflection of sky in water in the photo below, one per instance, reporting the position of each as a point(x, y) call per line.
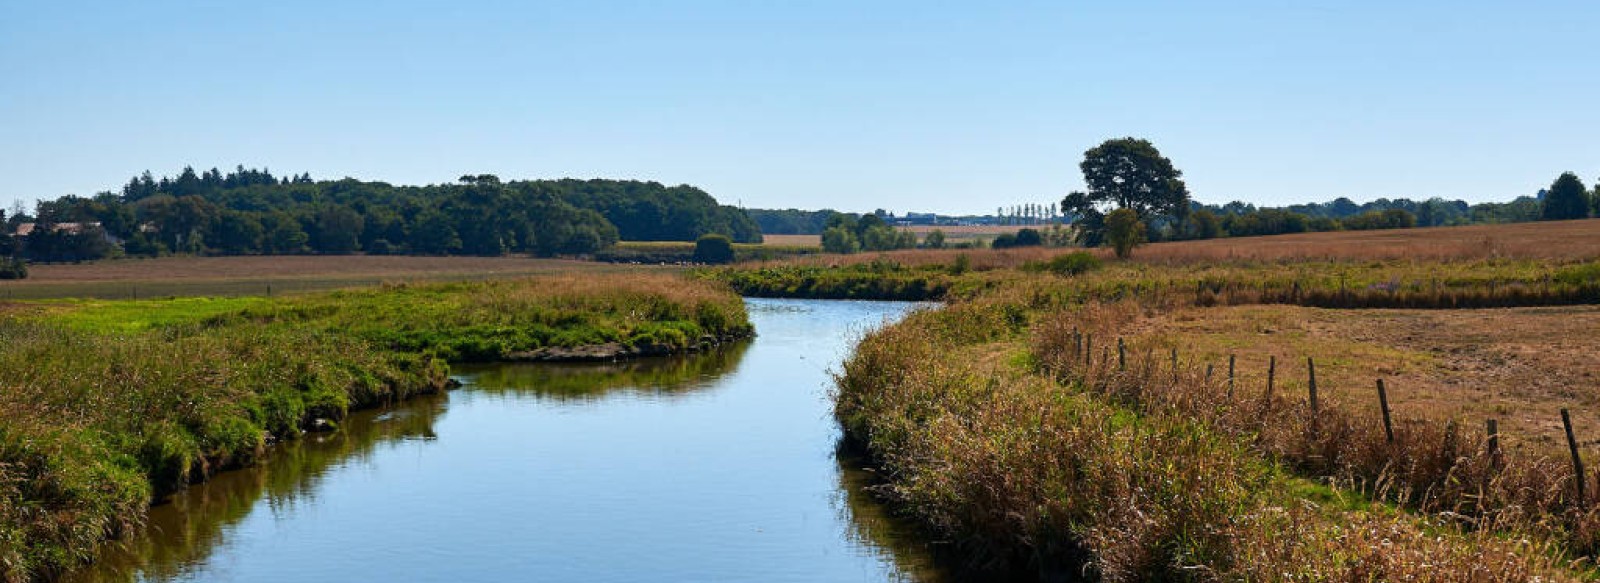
point(714, 467)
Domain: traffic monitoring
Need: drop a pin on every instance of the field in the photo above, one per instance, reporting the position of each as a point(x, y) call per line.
point(1520, 366)
point(236, 276)
point(1557, 241)
point(1010, 423)
point(952, 233)
point(792, 240)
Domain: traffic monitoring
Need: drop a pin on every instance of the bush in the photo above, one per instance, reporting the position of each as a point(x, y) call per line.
point(1124, 231)
point(1075, 263)
point(13, 269)
point(713, 249)
point(1029, 238)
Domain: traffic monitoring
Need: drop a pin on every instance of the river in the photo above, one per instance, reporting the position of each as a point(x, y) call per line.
point(711, 467)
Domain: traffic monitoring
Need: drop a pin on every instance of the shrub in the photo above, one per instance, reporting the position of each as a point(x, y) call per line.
point(1124, 231)
point(713, 249)
point(13, 269)
point(1075, 263)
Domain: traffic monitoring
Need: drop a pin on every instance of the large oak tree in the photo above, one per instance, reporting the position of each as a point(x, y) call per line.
point(1125, 173)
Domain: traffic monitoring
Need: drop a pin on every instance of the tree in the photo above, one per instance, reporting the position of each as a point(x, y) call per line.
point(238, 233)
point(1029, 238)
point(1130, 173)
point(713, 249)
point(1567, 199)
point(338, 231)
point(1124, 231)
point(839, 240)
point(1206, 225)
point(933, 240)
point(434, 235)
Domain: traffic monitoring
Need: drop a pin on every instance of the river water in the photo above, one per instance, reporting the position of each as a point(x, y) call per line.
point(712, 467)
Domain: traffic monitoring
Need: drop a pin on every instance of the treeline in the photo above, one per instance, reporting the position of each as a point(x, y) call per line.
point(252, 212)
point(791, 221)
point(1567, 198)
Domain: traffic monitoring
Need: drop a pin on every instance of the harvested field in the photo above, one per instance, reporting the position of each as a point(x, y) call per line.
point(792, 240)
point(1520, 366)
point(1556, 240)
point(1545, 240)
point(232, 276)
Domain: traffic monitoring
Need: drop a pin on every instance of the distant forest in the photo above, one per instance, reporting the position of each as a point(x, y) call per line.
point(253, 212)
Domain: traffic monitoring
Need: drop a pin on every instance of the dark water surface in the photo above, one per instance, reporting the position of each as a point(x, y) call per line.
point(717, 467)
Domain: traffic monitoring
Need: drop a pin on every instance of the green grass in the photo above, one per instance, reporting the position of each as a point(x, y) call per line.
point(139, 316)
point(682, 252)
point(105, 405)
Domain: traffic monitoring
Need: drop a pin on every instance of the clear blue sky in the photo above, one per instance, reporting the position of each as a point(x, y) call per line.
point(921, 105)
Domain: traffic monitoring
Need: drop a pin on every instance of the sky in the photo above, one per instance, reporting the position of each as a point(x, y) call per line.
point(951, 107)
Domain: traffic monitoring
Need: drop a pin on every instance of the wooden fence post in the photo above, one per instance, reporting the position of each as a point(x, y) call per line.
point(1122, 355)
point(1577, 462)
point(1209, 368)
point(1088, 349)
point(1077, 345)
point(1311, 375)
point(1383, 402)
point(1174, 366)
point(1272, 373)
point(1230, 377)
point(1493, 428)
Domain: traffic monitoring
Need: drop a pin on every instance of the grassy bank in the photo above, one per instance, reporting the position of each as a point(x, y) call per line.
point(682, 252)
point(109, 404)
point(1389, 284)
point(986, 438)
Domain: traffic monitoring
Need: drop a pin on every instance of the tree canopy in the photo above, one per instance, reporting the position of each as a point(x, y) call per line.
point(249, 211)
point(1126, 173)
point(1566, 199)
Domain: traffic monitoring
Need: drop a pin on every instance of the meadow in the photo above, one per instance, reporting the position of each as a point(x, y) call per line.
point(180, 276)
point(109, 405)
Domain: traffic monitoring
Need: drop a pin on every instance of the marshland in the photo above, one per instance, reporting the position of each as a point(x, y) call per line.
point(822, 291)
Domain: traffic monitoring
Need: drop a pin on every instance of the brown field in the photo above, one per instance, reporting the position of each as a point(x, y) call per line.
point(792, 240)
point(1519, 366)
point(1545, 240)
point(230, 276)
point(1556, 240)
point(956, 231)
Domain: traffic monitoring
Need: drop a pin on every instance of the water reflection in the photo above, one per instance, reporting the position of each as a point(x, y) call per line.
point(717, 466)
point(183, 531)
point(869, 523)
point(671, 376)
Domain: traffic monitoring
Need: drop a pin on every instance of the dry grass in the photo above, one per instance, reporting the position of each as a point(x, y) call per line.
point(235, 276)
point(1552, 241)
point(1070, 478)
point(1559, 240)
point(1436, 467)
point(792, 240)
point(1519, 366)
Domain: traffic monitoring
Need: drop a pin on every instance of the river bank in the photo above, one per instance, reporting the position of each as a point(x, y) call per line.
point(1014, 423)
point(110, 405)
